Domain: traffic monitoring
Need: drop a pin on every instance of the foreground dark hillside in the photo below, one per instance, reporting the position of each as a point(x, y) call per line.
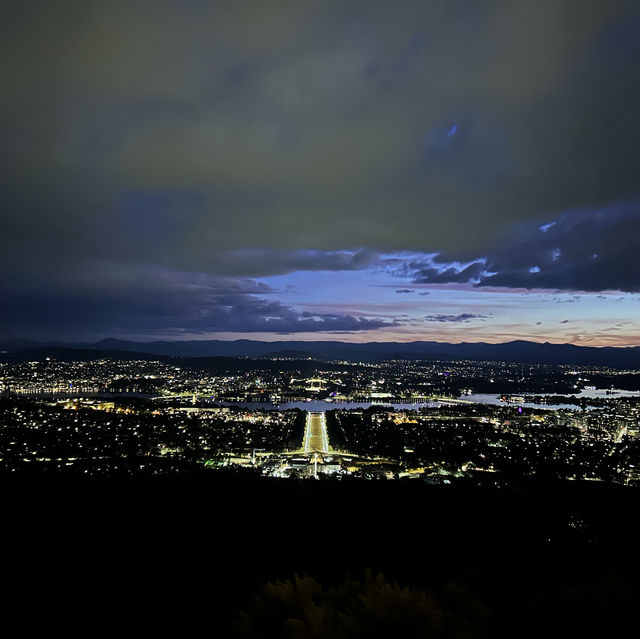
point(174, 553)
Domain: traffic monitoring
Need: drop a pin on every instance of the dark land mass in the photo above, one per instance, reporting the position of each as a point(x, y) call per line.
point(212, 364)
point(538, 378)
point(516, 351)
point(186, 552)
point(288, 353)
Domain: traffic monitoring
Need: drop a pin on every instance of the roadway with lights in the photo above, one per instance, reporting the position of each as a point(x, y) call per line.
point(315, 434)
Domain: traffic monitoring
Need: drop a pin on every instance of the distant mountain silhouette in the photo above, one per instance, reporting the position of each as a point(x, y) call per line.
point(516, 351)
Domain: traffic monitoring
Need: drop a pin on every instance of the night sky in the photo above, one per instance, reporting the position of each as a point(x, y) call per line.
point(352, 170)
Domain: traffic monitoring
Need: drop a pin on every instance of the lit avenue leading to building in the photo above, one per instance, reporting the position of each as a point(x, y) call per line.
point(315, 434)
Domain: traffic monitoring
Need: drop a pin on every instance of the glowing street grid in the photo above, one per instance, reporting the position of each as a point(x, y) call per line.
point(315, 434)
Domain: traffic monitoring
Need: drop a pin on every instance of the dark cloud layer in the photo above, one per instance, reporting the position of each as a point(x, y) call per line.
point(461, 317)
point(143, 301)
point(247, 139)
point(579, 250)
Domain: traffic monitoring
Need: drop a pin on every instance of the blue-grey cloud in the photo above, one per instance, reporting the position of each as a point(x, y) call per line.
point(581, 250)
point(149, 301)
point(428, 270)
point(461, 317)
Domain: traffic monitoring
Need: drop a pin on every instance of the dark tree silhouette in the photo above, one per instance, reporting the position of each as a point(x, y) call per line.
point(301, 608)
